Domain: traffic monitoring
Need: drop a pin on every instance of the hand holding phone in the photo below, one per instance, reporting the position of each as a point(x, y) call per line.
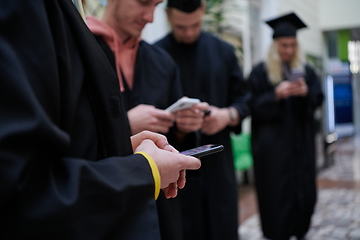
point(296, 73)
point(206, 112)
point(203, 150)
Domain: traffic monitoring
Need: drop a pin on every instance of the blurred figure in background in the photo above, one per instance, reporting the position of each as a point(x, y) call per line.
point(209, 71)
point(285, 93)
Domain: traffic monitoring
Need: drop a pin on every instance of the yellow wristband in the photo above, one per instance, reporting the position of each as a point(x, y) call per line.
point(155, 173)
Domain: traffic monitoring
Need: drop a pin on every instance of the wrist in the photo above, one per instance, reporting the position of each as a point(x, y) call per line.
point(277, 94)
point(233, 116)
point(155, 172)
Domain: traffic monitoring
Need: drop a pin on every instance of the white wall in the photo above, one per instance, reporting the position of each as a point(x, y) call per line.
point(237, 19)
point(268, 10)
point(159, 27)
point(339, 14)
point(310, 39)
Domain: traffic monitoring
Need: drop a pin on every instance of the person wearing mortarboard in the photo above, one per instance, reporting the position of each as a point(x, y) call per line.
point(285, 93)
point(209, 70)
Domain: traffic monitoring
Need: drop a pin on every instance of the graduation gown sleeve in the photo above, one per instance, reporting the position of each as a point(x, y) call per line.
point(66, 164)
point(263, 100)
point(306, 105)
point(238, 90)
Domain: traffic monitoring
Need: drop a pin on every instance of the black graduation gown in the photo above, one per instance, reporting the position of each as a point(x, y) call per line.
point(156, 77)
point(156, 83)
point(209, 71)
point(66, 164)
point(284, 155)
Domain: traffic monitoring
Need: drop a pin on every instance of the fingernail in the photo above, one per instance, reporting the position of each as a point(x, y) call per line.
point(168, 147)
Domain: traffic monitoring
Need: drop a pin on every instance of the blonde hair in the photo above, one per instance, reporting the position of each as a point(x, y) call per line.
point(273, 63)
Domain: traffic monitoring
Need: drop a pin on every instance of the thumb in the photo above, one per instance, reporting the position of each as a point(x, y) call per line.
point(190, 163)
point(170, 148)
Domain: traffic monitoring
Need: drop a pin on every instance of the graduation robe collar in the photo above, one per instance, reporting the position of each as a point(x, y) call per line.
point(185, 45)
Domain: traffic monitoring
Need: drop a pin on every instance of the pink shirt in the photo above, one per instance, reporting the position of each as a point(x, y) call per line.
point(125, 53)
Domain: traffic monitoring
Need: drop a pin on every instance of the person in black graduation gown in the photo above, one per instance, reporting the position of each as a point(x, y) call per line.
point(67, 167)
point(209, 71)
point(285, 93)
point(151, 83)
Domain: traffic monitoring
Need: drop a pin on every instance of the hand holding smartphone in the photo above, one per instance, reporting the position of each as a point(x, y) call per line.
point(296, 73)
point(203, 150)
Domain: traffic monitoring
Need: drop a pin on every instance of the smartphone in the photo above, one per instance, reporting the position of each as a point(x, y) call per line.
point(182, 103)
point(203, 150)
point(296, 73)
point(207, 112)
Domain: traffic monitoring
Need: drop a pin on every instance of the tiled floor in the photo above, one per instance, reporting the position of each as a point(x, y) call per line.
point(337, 214)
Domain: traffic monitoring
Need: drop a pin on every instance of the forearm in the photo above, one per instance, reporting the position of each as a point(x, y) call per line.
point(265, 106)
point(75, 191)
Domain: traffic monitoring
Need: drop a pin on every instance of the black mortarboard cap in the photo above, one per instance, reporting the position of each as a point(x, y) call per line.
point(185, 5)
point(286, 25)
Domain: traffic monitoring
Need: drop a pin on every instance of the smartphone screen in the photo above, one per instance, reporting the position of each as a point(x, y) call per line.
point(203, 150)
point(296, 73)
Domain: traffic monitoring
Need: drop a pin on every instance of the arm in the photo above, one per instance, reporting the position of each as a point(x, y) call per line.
point(315, 93)
point(44, 187)
point(238, 96)
point(147, 117)
point(308, 102)
point(264, 104)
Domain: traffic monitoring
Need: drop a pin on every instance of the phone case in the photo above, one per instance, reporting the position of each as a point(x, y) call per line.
point(182, 103)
